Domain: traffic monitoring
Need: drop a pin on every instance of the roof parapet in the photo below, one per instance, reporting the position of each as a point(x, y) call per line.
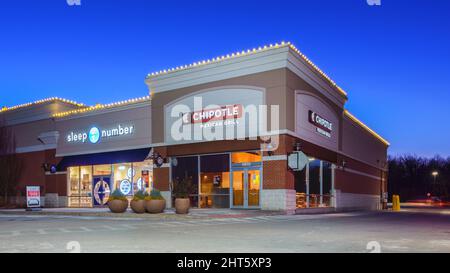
point(101, 106)
point(246, 53)
point(364, 126)
point(5, 108)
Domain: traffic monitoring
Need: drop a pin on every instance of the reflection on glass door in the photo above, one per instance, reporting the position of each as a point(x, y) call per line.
point(246, 188)
point(238, 188)
point(253, 186)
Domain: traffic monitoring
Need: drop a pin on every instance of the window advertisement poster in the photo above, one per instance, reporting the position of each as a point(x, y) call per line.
point(145, 174)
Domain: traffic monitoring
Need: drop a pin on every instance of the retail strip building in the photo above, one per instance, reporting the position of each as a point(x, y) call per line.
point(182, 130)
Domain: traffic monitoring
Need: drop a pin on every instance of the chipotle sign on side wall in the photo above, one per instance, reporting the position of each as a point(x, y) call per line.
point(323, 126)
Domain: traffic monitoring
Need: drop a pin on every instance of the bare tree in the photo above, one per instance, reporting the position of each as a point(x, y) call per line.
point(411, 176)
point(10, 163)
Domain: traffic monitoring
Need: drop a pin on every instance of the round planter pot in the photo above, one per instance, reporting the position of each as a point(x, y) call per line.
point(138, 206)
point(155, 206)
point(182, 205)
point(118, 206)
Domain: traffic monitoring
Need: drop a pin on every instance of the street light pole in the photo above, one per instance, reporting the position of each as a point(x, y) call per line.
point(434, 174)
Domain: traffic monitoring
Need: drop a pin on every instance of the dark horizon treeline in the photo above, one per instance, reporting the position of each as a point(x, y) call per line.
point(411, 177)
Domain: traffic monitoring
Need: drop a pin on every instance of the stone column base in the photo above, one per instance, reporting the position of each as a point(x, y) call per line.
point(51, 200)
point(168, 196)
point(278, 200)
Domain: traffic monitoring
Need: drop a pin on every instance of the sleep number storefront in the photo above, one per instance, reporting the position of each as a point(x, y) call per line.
point(104, 150)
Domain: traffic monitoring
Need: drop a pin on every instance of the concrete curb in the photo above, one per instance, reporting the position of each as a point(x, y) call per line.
point(126, 215)
point(146, 216)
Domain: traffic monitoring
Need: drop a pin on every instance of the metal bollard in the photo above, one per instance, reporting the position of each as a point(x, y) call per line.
point(395, 203)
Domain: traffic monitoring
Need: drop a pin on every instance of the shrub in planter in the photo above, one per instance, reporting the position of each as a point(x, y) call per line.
point(137, 204)
point(155, 203)
point(181, 190)
point(117, 202)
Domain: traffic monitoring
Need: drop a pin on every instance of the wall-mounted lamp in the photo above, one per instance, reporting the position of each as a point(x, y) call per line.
point(267, 145)
point(158, 160)
point(49, 168)
point(270, 149)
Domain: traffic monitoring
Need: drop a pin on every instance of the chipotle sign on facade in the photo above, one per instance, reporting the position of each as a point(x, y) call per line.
point(323, 126)
point(221, 113)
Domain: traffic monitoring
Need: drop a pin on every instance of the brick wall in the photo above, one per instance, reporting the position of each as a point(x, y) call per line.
point(356, 183)
point(32, 172)
point(161, 178)
point(276, 175)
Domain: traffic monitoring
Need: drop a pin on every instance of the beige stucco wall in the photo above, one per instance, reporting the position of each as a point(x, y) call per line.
point(273, 82)
point(295, 84)
point(138, 116)
point(281, 88)
point(27, 134)
point(30, 123)
point(361, 145)
point(36, 112)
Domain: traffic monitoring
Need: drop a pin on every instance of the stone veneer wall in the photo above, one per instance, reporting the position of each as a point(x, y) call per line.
point(51, 200)
point(278, 200)
point(353, 201)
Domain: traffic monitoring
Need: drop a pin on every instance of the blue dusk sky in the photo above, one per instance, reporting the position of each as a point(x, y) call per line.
point(393, 60)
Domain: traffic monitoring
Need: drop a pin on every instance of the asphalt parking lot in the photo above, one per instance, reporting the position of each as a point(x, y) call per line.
point(412, 230)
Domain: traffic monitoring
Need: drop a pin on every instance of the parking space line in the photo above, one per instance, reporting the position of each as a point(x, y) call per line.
point(110, 228)
point(86, 229)
point(41, 232)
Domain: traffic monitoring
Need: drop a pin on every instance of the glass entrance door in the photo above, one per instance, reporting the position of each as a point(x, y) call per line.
point(246, 188)
point(238, 187)
point(253, 188)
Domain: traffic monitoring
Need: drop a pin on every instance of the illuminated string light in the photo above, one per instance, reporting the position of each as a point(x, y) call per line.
point(101, 106)
point(250, 52)
point(360, 123)
point(195, 64)
point(5, 108)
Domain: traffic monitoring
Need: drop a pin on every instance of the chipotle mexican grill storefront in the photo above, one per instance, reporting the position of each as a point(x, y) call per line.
point(264, 129)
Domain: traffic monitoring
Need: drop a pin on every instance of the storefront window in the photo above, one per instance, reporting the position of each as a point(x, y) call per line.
point(187, 167)
point(246, 157)
point(86, 186)
point(74, 186)
point(80, 186)
point(301, 188)
point(84, 189)
point(313, 184)
point(215, 181)
point(143, 178)
point(123, 178)
point(102, 170)
point(327, 183)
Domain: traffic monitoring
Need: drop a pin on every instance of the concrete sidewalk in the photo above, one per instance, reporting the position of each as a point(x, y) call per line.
point(194, 213)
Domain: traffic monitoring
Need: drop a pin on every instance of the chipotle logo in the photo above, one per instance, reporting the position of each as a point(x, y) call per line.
point(221, 113)
point(324, 127)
